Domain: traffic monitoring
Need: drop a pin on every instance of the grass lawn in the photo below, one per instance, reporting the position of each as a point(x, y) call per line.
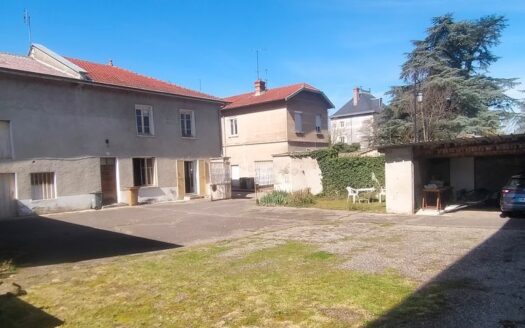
point(292, 284)
point(343, 204)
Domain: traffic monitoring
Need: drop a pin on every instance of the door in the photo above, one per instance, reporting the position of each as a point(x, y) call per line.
point(189, 177)
point(7, 195)
point(108, 176)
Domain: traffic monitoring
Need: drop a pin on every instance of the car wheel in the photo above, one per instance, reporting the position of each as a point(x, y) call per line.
point(505, 214)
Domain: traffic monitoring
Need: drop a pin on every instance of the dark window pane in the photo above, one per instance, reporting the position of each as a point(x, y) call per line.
point(139, 122)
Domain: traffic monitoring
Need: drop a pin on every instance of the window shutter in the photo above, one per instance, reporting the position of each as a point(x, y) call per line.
point(298, 122)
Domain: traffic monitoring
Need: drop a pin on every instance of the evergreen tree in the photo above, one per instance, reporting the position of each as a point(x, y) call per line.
point(449, 68)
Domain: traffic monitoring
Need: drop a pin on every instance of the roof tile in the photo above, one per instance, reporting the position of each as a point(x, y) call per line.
point(270, 95)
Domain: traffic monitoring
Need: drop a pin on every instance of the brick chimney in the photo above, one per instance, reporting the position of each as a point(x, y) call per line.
point(260, 87)
point(356, 96)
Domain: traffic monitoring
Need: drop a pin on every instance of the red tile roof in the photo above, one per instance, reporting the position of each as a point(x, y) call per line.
point(112, 75)
point(27, 64)
point(270, 95)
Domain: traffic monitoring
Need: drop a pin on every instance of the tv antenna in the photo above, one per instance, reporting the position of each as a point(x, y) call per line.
point(257, 51)
point(27, 22)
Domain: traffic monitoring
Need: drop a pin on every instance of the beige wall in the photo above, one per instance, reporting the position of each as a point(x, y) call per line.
point(246, 155)
point(293, 174)
point(399, 181)
point(269, 129)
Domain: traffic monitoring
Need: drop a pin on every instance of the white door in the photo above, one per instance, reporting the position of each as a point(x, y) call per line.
point(7, 195)
point(236, 175)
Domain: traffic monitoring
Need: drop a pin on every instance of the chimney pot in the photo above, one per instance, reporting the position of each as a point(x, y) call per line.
point(260, 87)
point(356, 96)
point(110, 63)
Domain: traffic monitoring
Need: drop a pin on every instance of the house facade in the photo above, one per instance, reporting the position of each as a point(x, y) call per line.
point(265, 122)
point(73, 132)
point(353, 122)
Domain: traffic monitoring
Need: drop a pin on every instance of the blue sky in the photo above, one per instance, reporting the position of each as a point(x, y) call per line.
point(333, 45)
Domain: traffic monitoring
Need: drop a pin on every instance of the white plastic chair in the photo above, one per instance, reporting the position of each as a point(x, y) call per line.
point(352, 193)
point(381, 194)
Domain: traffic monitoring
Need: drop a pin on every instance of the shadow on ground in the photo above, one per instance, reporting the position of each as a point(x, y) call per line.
point(24, 315)
point(485, 288)
point(41, 240)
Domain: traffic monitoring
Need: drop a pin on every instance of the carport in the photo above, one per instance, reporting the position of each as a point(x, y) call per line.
point(472, 169)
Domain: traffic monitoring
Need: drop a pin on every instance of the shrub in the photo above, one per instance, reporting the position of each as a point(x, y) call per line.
point(301, 198)
point(282, 198)
point(274, 198)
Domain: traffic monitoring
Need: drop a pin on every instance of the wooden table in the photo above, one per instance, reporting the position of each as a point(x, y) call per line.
point(439, 195)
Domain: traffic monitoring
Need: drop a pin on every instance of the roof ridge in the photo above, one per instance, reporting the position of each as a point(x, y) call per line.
point(302, 84)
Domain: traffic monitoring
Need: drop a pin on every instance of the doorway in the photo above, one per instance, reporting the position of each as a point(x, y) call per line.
point(7, 195)
point(189, 177)
point(108, 176)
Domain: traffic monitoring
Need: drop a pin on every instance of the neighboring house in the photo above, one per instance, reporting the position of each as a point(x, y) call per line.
point(265, 122)
point(72, 129)
point(353, 122)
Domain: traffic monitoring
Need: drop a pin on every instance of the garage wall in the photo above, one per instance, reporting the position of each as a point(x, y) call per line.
point(399, 181)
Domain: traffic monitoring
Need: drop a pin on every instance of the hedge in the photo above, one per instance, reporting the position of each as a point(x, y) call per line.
point(356, 172)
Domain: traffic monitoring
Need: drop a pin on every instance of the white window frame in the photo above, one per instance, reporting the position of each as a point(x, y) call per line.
point(318, 123)
point(193, 130)
point(51, 193)
point(295, 116)
point(233, 129)
point(342, 139)
point(149, 110)
point(341, 124)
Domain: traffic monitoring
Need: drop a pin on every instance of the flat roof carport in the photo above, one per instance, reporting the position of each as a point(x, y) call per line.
point(470, 163)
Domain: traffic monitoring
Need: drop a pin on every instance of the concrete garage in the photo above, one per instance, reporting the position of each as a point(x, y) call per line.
point(470, 169)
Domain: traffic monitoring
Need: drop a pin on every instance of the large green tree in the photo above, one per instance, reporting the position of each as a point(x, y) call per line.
point(448, 68)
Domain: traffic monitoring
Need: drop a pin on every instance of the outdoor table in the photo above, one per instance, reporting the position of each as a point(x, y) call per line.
point(438, 193)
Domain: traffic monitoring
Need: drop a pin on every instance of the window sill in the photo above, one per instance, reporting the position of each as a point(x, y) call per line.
point(189, 138)
point(235, 136)
point(146, 135)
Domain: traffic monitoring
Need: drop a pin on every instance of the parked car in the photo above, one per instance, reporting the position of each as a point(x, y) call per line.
point(513, 195)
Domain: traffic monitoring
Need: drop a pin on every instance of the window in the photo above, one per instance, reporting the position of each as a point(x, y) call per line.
point(342, 124)
point(144, 116)
point(318, 125)
point(342, 139)
point(298, 117)
point(43, 185)
point(233, 126)
point(5, 140)
point(143, 171)
point(187, 123)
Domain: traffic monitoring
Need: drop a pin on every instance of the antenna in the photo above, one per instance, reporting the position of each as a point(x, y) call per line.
point(257, 59)
point(257, 56)
point(27, 21)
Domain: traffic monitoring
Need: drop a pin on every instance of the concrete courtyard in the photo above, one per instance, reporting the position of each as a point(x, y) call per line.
point(478, 255)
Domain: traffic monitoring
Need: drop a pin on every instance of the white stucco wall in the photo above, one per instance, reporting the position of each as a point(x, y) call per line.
point(355, 129)
point(293, 174)
point(399, 181)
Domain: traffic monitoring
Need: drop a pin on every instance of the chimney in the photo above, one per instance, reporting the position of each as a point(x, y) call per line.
point(260, 87)
point(110, 63)
point(356, 96)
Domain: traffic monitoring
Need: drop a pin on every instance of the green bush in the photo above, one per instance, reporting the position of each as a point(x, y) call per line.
point(282, 198)
point(356, 172)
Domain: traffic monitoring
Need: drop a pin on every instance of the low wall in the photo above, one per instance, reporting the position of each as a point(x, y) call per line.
point(293, 174)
